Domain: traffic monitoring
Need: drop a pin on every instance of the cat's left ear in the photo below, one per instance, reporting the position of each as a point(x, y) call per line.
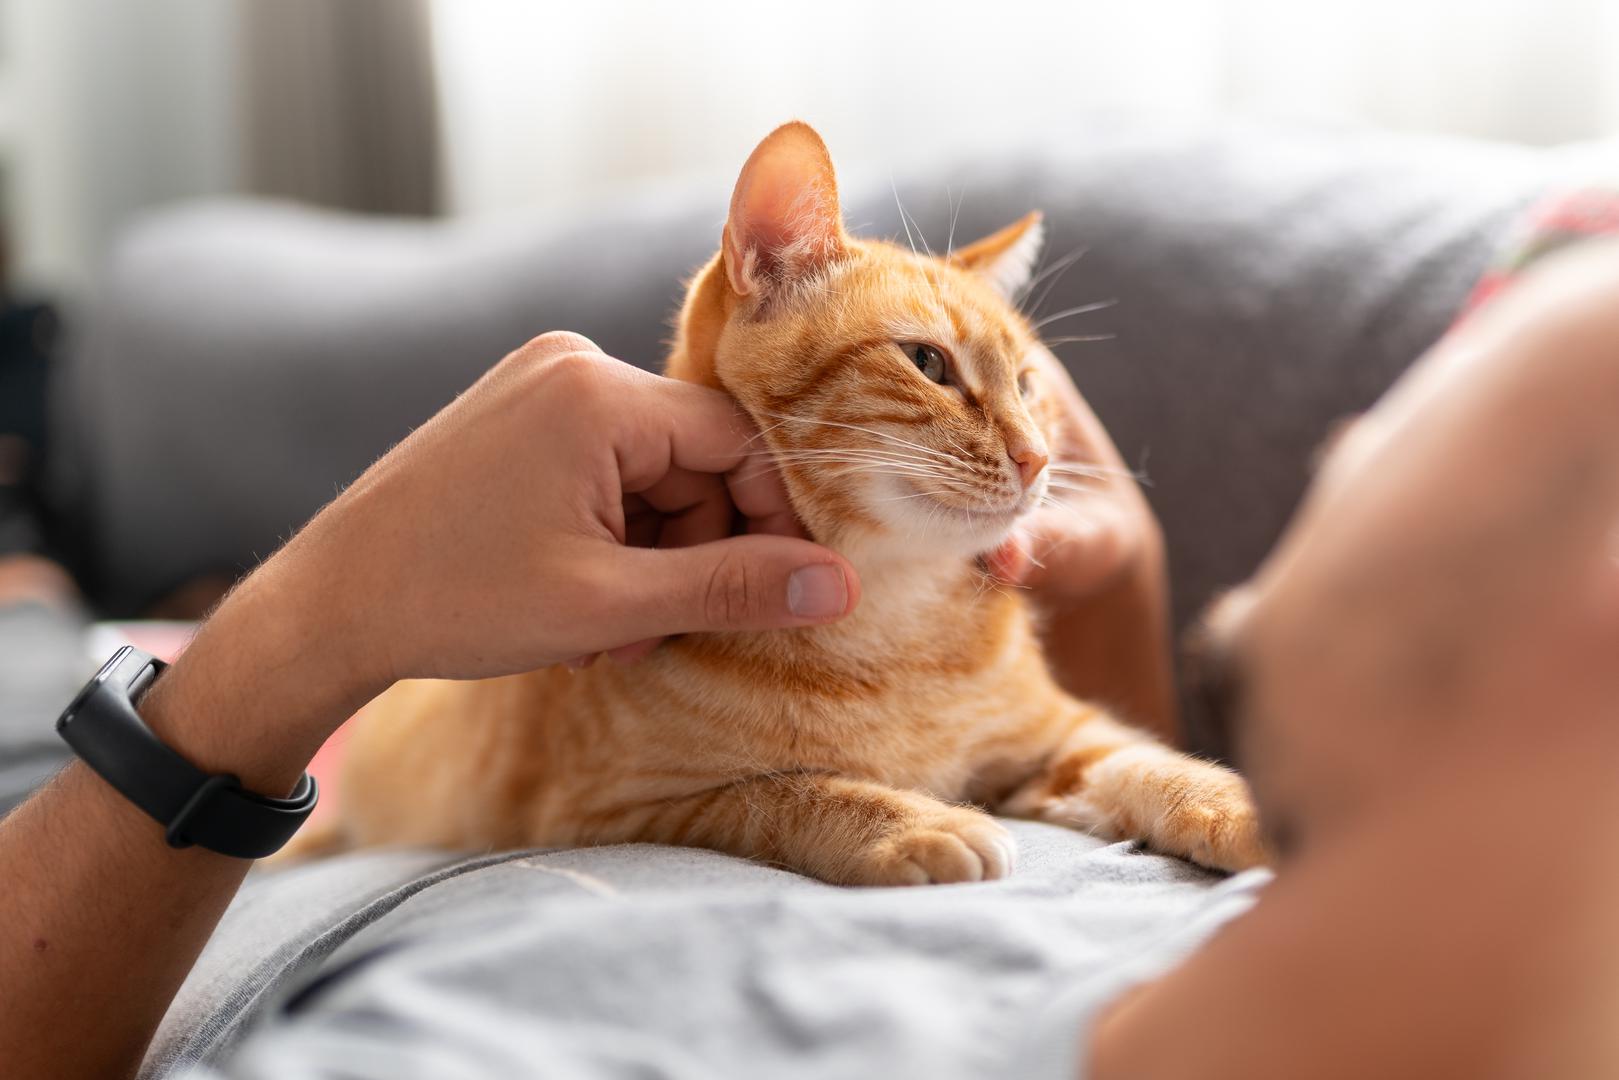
point(1005, 259)
point(785, 224)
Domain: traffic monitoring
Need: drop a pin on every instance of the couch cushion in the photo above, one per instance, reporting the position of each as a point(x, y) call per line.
point(245, 360)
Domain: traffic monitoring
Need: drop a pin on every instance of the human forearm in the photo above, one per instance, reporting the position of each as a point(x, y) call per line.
point(280, 664)
point(495, 539)
point(1114, 646)
point(102, 918)
point(1093, 558)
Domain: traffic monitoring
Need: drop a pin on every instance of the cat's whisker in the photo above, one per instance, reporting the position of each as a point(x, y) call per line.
point(1075, 468)
point(1058, 268)
point(903, 219)
point(1051, 343)
point(1134, 475)
point(913, 479)
point(932, 464)
point(1071, 501)
point(762, 432)
point(962, 450)
point(955, 212)
point(828, 456)
point(924, 464)
point(837, 449)
point(1053, 499)
point(890, 450)
point(1069, 487)
point(904, 215)
point(907, 220)
point(867, 431)
point(887, 470)
point(867, 458)
point(1081, 309)
point(917, 495)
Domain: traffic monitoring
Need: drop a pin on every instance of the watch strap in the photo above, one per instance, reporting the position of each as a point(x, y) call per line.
point(193, 807)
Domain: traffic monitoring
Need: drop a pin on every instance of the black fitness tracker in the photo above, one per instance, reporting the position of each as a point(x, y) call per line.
point(213, 812)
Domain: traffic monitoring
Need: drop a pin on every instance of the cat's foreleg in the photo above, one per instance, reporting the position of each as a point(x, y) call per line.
point(1120, 783)
point(842, 830)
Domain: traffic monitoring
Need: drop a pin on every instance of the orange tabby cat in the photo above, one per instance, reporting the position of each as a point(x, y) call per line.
point(896, 393)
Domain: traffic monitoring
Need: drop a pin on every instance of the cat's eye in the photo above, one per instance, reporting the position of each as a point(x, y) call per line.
point(928, 360)
point(1025, 384)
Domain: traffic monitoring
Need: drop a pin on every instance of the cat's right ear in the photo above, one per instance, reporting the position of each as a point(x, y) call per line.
point(1006, 259)
point(785, 223)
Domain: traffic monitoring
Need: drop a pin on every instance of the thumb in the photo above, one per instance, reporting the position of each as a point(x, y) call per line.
point(741, 583)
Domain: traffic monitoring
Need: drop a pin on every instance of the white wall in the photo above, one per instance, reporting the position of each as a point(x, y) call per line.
point(552, 104)
point(111, 106)
point(114, 106)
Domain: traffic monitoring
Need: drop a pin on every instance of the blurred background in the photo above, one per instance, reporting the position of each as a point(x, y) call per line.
point(246, 245)
point(478, 107)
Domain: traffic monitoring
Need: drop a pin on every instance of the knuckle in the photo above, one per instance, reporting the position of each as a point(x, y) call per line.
point(575, 368)
point(576, 377)
point(558, 343)
point(731, 596)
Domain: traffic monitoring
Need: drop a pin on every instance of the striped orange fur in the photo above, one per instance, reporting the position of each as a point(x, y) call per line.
point(864, 752)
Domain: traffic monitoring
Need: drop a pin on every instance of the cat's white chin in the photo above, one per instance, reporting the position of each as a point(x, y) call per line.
point(921, 519)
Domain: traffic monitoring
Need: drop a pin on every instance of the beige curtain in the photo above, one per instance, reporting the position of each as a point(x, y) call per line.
point(340, 103)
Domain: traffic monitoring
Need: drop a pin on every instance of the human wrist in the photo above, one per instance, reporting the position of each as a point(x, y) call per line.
point(263, 684)
point(1111, 644)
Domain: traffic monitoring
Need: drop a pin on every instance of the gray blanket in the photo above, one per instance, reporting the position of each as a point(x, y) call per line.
point(643, 961)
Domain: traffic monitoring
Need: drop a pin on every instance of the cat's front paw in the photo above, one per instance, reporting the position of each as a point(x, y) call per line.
point(1214, 823)
point(1178, 805)
point(940, 847)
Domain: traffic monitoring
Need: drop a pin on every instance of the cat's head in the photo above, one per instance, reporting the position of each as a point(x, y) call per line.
point(894, 387)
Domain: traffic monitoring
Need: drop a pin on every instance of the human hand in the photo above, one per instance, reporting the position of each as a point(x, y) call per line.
point(1093, 556)
point(566, 505)
point(513, 530)
point(1094, 524)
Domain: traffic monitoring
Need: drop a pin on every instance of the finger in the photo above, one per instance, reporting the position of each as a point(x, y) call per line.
point(757, 488)
point(678, 488)
point(741, 583)
point(636, 651)
point(642, 523)
point(1071, 551)
point(754, 488)
point(1009, 563)
point(707, 521)
point(783, 524)
point(665, 424)
point(692, 431)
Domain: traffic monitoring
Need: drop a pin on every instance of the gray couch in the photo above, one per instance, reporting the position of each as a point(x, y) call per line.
point(243, 360)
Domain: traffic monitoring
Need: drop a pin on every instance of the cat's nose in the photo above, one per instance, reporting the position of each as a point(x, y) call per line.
point(1029, 461)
